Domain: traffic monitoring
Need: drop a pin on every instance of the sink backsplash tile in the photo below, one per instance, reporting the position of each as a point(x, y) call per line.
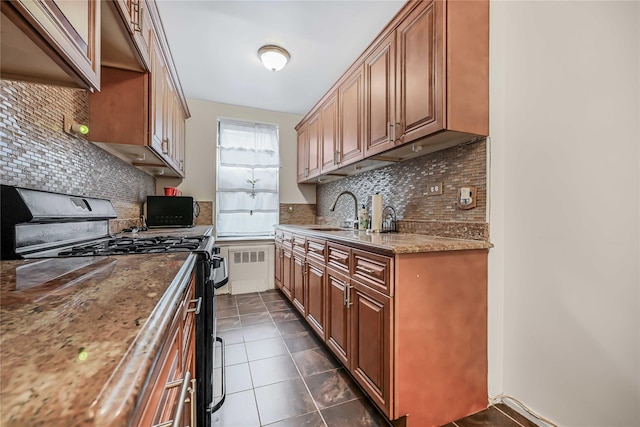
point(36, 153)
point(404, 185)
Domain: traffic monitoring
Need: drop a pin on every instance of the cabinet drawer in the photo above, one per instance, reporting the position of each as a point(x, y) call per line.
point(287, 239)
point(338, 257)
point(373, 270)
point(299, 243)
point(317, 249)
point(279, 234)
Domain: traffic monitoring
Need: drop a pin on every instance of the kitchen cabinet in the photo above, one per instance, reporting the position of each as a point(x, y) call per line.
point(54, 42)
point(136, 18)
point(351, 120)
point(423, 84)
point(309, 149)
point(277, 268)
point(299, 281)
point(410, 328)
point(137, 116)
point(329, 136)
point(286, 281)
point(170, 391)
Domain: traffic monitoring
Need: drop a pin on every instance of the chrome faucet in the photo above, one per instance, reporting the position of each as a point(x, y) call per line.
point(355, 206)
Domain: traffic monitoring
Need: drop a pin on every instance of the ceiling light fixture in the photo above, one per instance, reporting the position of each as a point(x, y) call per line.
point(273, 57)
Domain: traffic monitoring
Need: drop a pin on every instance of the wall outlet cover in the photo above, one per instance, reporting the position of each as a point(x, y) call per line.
point(434, 188)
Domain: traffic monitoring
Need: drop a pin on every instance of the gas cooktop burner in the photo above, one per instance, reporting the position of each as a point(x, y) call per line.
point(136, 245)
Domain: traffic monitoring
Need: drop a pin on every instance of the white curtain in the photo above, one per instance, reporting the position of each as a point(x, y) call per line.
point(247, 178)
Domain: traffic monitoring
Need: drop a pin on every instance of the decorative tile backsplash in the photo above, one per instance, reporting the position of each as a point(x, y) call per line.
point(404, 186)
point(297, 213)
point(36, 153)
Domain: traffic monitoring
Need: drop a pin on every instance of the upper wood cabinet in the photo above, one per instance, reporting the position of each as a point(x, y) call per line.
point(329, 136)
point(309, 149)
point(55, 42)
point(424, 81)
point(137, 21)
point(351, 115)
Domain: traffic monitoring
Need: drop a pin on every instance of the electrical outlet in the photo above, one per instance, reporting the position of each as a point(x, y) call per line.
point(434, 188)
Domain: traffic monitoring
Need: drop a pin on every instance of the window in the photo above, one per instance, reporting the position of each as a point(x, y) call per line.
point(247, 179)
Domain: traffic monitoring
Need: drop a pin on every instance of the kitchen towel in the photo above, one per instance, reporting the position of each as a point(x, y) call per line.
point(376, 212)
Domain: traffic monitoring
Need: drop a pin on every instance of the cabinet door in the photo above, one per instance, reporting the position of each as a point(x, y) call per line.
point(316, 297)
point(302, 153)
point(141, 28)
point(337, 324)
point(157, 97)
point(286, 273)
point(351, 101)
point(278, 266)
point(168, 107)
point(179, 137)
point(371, 343)
point(329, 121)
point(70, 28)
point(380, 114)
point(420, 65)
point(313, 150)
point(299, 285)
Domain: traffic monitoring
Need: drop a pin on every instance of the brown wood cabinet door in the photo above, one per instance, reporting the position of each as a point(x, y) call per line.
point(329, 121)
point(337, 324)
point(302, 153)
point(380, 108)
point(316, 297)
point(351, 118)
point(420, 64)
point(371, 343)
point(278, 266)
point(313, 150)
point(298, 289)
point(157, 97)
point(287, 279)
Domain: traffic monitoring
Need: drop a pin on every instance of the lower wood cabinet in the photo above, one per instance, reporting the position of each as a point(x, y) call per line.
point(171, 388)
point(410, 328)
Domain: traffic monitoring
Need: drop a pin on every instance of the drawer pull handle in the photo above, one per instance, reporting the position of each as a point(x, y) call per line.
point(195, 310)
point(366, 270)
point(184, 383)
point(337, 258)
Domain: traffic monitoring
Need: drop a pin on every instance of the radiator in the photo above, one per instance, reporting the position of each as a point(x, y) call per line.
point(250, 268)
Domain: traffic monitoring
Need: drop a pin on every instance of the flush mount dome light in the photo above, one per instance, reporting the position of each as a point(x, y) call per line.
point(273, 57)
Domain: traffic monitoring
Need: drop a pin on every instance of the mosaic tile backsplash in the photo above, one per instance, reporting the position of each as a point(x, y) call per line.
point(404, 186)
point(36, 153)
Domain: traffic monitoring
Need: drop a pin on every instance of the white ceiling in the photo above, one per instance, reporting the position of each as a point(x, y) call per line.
point(215, 44)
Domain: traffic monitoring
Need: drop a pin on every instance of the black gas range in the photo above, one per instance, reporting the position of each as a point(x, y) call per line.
point(40, 224)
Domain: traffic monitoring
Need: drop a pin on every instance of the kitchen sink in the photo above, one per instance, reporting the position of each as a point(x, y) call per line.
point(329, 229)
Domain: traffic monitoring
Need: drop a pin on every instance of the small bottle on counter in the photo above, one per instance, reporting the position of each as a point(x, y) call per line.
point(363, 218)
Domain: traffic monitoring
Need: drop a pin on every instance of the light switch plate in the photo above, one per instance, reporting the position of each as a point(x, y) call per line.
point(434, 188)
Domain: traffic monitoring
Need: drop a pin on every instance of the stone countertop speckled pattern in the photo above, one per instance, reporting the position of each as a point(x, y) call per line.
point(79, 335)
point(397, 243)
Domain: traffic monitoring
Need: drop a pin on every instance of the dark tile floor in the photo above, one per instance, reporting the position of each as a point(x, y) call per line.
point(279, 374)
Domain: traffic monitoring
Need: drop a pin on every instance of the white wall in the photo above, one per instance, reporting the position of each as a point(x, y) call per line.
point(200, 160)
point(565, 209)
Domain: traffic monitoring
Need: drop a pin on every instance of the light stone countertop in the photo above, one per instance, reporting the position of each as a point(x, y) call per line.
point(396, 243)
point(78, 336)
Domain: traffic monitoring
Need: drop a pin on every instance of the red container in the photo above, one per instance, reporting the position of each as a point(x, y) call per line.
point(170, 191)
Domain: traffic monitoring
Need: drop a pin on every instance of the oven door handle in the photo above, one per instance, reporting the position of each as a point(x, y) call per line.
point(225, 278)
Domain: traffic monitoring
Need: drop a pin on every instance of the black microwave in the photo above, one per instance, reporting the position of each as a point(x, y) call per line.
point(170, 211)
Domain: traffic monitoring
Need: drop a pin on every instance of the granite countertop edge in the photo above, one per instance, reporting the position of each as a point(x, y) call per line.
point(396, 243)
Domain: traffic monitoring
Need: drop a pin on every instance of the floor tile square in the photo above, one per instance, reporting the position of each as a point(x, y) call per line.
point(355, 413)
point(252, 308)
point(255, 319)
point(292, 327)
point(228, 323)
point(238, 378)
point(285, 315)
point(312, 419)
point(247, 299)
point(238, 410)
point(301, 341)
point(273, 370)
point(489, 417)
point(260, 332)
point(314, 361)
point(231, 336)
point(272, 296)
point(283, 400)
point(235, 354)
point(263, 349)
point(332, 387)
point(277, 305)
point(221, 313)
point(512, 413)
